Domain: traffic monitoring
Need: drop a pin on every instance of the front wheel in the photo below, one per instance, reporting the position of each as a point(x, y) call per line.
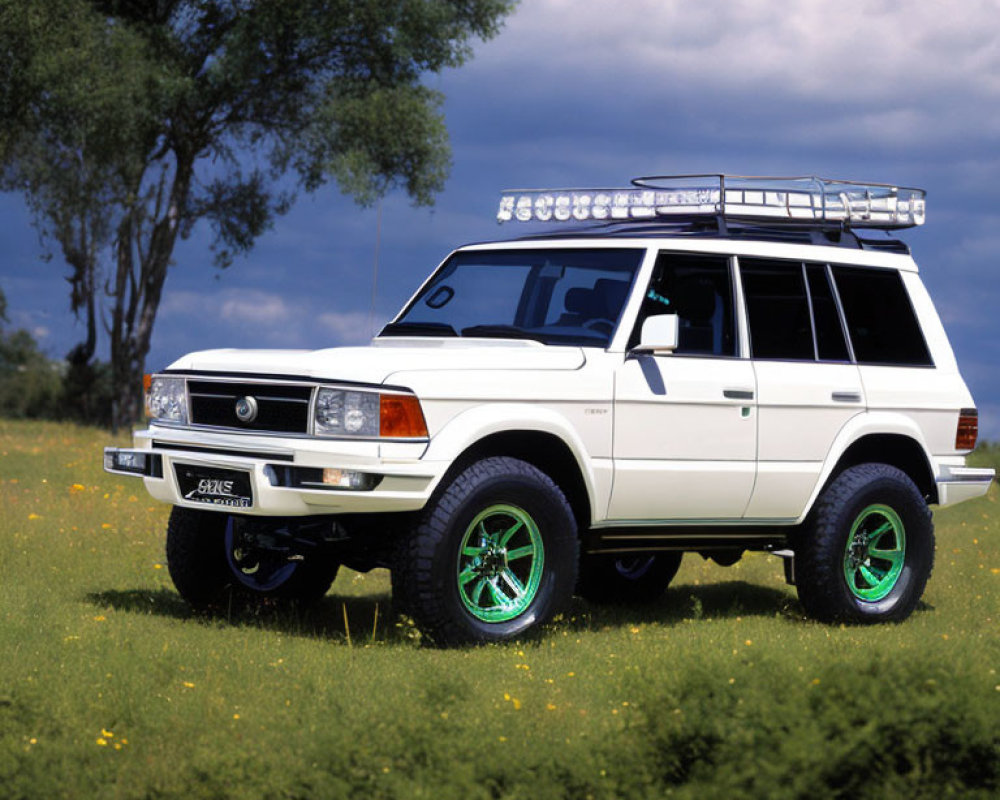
point(869, 551)
point(494, 555)
point(214, 558)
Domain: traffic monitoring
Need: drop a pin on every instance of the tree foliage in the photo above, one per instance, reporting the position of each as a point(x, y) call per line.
point(126, 122)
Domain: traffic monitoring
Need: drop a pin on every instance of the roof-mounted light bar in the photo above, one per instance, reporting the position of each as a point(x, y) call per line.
point(804, 201)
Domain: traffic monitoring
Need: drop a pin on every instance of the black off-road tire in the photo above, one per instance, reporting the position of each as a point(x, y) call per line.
point(831, 549)
point(437, 570)
point(626, 580)
point(201, 572)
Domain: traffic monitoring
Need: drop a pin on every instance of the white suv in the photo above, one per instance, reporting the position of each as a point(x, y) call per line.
point(696, 363)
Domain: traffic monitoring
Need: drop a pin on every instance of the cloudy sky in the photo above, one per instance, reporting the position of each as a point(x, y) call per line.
point(586, 92)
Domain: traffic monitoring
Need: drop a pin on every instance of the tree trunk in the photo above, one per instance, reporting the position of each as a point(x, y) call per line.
point(142, 255)
point(78, 245)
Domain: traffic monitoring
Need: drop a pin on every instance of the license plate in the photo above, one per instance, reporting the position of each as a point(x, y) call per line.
point(217, 487)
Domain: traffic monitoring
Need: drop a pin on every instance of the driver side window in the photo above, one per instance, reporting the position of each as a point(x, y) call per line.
point(698, 289)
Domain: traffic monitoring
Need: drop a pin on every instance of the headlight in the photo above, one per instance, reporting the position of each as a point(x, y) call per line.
point(166, 399)
point(343, 412)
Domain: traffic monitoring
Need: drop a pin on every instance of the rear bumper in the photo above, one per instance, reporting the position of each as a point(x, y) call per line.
point(956, 484)
point(286, 476)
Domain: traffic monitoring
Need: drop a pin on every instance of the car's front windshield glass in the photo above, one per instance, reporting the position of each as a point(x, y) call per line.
point(557, 296)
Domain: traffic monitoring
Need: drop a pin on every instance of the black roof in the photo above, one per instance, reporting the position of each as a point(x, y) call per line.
point(719, 228)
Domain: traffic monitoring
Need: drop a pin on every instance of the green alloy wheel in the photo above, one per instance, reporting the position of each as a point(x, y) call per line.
point(876, 551)
point(501, 562)
point(868, 549)
point(493, 556)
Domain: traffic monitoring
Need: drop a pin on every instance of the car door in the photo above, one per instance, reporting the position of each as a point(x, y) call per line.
point(685, 422)
point(808, 386)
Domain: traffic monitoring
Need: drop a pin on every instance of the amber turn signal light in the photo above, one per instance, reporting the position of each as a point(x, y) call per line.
point(968, 429)
point(400, 417)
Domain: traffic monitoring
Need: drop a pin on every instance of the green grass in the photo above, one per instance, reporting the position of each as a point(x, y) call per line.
point(110, 688)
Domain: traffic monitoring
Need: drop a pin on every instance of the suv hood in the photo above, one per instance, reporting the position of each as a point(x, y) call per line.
point(384, 357)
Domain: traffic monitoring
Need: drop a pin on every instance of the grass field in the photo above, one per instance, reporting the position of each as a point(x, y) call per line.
point(110, 688)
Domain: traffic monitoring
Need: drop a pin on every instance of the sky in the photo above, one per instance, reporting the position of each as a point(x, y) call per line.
point(592, 93)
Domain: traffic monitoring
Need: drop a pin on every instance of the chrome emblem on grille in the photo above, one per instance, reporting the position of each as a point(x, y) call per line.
point(246, 409)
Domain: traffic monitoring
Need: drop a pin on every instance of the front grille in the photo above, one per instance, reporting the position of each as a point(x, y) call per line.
point(281, 408)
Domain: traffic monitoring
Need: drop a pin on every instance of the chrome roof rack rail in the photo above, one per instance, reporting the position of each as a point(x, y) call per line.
point(806, 201)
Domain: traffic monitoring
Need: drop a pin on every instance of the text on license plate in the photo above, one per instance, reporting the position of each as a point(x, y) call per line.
point(219, 487)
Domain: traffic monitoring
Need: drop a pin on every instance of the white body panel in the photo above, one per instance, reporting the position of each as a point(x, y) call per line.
point(683, 448)
point(815, 400)
point(656, 439)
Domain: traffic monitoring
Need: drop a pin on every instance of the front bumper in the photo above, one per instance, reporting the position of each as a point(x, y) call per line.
point(286, 475)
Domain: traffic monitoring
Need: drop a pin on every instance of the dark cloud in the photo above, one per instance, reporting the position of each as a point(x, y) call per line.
point(585, 92)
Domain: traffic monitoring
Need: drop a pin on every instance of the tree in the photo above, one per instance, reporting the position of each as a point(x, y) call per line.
point(30, 384)
point(126, 122)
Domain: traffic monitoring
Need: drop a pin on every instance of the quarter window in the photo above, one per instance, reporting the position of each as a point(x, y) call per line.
point(830, 342)
point(880, 318)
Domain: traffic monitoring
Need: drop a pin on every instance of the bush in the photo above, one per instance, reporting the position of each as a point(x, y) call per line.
point(33, 386)
point(30, 384)
point(890, 729)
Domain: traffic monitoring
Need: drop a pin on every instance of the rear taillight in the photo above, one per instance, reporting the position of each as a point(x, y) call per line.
point(968, 429)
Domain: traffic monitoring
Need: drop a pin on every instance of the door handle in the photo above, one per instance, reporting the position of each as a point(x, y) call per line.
point(738, 394)
point(846, 397)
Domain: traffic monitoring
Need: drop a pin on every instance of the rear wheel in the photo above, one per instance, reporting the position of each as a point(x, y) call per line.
point(870, 549)
point(215, 558)
point(494, 555)
point(626, 579)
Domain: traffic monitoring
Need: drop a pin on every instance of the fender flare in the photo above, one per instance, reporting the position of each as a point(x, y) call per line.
point(869, 423)
point(472, 425)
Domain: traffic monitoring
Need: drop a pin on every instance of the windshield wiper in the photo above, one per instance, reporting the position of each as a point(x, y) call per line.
point(500, 332)
point(418, 329)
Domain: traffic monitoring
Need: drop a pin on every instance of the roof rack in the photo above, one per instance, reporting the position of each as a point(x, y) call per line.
point(802, 201)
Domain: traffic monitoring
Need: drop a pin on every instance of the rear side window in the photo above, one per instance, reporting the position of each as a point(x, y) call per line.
point(880, 318)
point(778, 309)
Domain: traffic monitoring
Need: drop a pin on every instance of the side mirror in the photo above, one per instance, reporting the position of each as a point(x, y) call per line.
point(659, 334)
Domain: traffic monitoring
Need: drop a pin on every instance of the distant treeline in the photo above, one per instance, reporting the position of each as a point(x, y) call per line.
point(34, 386)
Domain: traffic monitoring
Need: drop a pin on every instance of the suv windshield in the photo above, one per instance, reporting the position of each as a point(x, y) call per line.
point(554, 296)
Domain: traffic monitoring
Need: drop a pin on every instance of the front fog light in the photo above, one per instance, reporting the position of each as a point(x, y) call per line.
point(320, 478)
point(348, 479)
